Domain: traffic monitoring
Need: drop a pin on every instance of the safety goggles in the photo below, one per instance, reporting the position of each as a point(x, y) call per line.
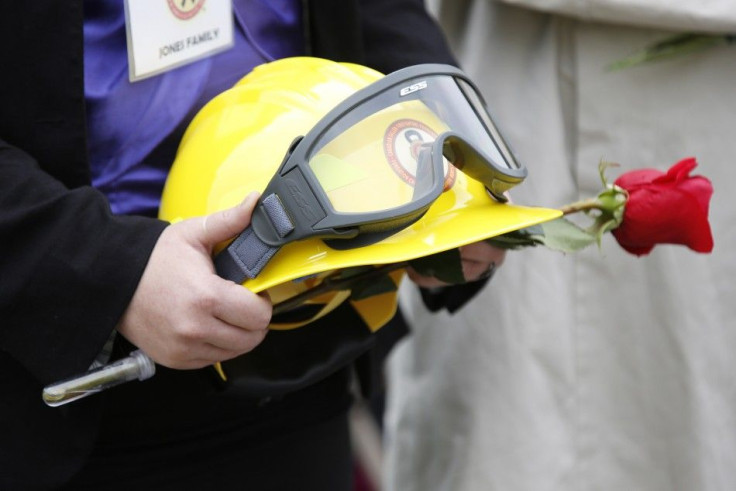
point(374, 165)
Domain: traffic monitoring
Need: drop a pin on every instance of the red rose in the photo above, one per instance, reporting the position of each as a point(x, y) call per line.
point(669, 208)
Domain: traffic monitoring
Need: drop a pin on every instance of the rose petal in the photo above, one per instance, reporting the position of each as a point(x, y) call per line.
point(679, 171)
point(663, 214)
point(701, 189)
point(636, 178)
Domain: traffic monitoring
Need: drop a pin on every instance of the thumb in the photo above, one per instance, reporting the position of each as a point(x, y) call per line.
point(226, 224)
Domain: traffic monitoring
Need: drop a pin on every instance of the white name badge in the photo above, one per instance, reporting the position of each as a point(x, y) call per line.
point(164, 34)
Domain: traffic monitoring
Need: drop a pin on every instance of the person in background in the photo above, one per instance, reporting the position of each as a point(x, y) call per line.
point(596, 370)
point(84, 263)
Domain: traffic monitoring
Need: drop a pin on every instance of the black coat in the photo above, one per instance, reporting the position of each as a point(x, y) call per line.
point(68, 268)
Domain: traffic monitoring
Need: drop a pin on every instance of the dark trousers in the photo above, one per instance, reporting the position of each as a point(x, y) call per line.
point(174, 432)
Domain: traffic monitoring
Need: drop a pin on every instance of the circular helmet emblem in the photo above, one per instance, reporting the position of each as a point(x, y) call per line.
point(403, 141)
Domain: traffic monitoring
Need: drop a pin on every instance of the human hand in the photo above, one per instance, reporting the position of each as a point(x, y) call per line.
point(479, 261)
point(182, 314)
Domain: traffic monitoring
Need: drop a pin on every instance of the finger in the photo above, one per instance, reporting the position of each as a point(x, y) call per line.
point(229, 341)
point(239, 307)
point(480, 260)
point(207, 355)
point(478, 270)
point(424, 281)
point(226, 224)
point(482, 252)
point(221, 342)
point(215, 355)
point(188, 356)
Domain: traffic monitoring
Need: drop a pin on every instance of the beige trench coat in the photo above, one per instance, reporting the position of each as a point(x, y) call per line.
point(598, 370)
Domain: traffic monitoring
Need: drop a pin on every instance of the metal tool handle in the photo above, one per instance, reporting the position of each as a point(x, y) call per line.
point(137, 366)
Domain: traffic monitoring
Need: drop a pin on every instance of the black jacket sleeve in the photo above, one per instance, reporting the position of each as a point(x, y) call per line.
point(69, 267)
point(400, 33)
point(383, 34)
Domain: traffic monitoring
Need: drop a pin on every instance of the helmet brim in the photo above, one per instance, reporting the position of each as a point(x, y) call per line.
point(458, 227)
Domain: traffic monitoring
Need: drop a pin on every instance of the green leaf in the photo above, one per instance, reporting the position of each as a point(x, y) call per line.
point(671, 47)
point(354, 272)
point(518, 239)
point(603, 166)
point(446, 266)
point(368, 288)
point(602, 225)
point(563, 235)
point(364, 282)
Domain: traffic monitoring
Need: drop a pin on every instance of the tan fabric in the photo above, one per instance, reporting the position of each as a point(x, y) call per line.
point(688, 15)
point(594, 371)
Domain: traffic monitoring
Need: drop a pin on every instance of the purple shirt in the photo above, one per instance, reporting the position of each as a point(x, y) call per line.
point(135, 128)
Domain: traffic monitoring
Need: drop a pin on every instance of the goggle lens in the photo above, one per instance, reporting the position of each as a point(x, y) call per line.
point(368, 160)
point(373, 165)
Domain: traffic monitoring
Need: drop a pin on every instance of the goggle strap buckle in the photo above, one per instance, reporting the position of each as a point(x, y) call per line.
point(244, 258)
point(247, 255)
point(277, 214)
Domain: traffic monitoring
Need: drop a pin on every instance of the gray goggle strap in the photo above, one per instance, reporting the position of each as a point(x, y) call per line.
point(247, 255)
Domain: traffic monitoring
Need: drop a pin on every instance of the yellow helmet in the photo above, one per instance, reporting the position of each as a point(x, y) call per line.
point(236, 144)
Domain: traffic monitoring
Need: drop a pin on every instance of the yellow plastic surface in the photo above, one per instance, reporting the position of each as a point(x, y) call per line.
point(238, 140)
